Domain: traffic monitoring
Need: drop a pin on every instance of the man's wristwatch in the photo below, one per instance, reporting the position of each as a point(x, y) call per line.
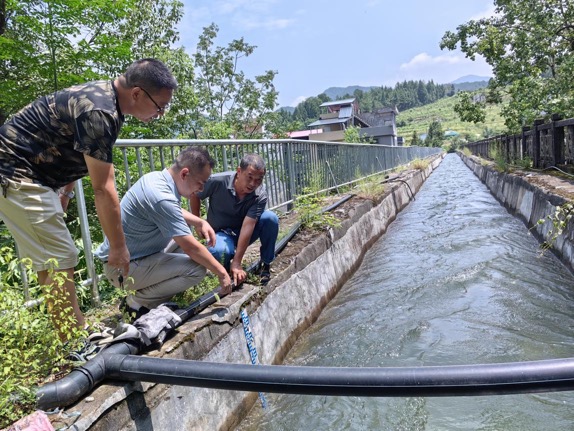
point(70, 194)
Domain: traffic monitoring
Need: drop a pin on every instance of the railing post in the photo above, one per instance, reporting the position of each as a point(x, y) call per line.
point(557, 141)
point(524, 147)
point(536, 143)
point(506, 143)
point(290, 169)
point(87, 241)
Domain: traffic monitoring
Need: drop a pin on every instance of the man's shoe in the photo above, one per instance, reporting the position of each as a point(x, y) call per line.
point(132, 312)
point(264, 273)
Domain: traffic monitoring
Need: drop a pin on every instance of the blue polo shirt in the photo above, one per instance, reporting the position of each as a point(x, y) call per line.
point(225, 209)
point(151, 216)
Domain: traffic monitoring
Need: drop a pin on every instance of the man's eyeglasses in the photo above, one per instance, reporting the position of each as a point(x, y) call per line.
point(159, 108)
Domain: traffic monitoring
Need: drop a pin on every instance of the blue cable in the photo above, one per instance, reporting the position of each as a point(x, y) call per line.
point(251, 347)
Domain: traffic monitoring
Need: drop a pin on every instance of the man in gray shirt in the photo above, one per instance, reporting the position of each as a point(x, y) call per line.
point(237, 214)
point(165, 256)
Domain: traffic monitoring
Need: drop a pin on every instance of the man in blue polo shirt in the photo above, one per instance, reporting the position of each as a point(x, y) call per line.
point(237, 214)
point(166, 258)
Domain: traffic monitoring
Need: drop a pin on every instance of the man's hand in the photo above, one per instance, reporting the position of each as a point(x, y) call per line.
point(206, 231)
point(120, 258)
point(237, 273)
point(64, 201)
point(225, 283)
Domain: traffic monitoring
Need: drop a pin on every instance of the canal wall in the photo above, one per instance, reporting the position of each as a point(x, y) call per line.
point(529, 203)
point(278, 312)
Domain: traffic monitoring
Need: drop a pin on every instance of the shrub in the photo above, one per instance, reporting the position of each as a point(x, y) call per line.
point(31, 349)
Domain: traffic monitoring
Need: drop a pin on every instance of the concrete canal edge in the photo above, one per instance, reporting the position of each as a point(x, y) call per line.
point(527, 202)
point(279, 313)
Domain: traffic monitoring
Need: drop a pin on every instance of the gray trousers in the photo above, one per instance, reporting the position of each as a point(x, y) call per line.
point(158, 277)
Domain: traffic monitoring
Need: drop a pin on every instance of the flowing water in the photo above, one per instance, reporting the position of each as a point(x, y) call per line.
point(455, 280)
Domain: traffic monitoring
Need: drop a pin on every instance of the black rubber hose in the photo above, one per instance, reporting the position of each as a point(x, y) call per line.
point(85, 378)
point(80, 380)
point(432, 381)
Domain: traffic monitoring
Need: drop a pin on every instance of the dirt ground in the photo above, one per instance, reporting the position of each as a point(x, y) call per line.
point(304, 236)
point(556, 183)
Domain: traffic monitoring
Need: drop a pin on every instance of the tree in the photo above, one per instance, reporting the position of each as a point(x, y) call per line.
point(530, 46)
point(435, 135)
point(468, 109)
point(416, 140)
point(353, 136)
point(49, 45)
point(309, 109)
point(225, 94)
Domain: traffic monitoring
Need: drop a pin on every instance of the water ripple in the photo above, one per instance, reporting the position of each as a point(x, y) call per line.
point(455, 280)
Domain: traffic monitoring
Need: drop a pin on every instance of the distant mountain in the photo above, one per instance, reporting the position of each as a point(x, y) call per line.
point(470, 78)
point(464, 83)
point(470, 86)
point(335, 93)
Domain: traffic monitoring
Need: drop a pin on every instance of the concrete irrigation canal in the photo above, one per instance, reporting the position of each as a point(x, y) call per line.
point(405, 311)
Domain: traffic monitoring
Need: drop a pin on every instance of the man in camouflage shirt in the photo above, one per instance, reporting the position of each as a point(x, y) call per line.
point(58, 139)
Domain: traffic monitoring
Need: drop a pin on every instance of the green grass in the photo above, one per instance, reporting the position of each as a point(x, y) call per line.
point(419, 119)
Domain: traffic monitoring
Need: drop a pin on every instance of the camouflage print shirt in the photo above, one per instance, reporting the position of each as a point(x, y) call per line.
point(46, 141)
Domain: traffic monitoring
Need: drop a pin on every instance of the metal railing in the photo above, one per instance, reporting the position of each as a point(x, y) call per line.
point(546, 144)
point(294, 168)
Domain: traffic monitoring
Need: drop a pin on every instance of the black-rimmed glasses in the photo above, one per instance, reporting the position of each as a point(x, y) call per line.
point(159, 108)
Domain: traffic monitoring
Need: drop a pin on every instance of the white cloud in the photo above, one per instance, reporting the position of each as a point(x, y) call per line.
point(248, 6)
point(268, 24)
point(230, 6)
point(423, 60)
point(441, 68)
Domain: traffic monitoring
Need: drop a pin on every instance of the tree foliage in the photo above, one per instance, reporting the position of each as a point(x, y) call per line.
point(45, 46)
point(470, 108)
point(435, 135)
point(530, 46)
point(225, 94)
point(415, 140)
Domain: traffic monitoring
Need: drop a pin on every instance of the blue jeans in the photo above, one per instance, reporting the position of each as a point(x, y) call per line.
point(266, 229)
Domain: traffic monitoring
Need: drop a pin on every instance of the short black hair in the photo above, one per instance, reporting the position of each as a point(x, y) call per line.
point(151, 74)
point(253, 160)
point(194, 158)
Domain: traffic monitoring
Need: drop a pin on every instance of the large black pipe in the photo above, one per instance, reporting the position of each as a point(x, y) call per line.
point(81, 380)
point(433, 381)
point(85, 378)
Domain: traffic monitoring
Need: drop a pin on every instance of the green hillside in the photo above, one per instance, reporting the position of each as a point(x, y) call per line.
point(419, 119)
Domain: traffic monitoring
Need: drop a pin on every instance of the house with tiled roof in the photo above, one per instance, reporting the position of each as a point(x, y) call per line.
point(338, 116)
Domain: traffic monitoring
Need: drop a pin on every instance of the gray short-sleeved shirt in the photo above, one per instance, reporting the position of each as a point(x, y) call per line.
point(151, 216)
point(225, 209)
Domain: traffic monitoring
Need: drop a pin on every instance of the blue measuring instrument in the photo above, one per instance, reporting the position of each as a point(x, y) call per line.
point(251, 347)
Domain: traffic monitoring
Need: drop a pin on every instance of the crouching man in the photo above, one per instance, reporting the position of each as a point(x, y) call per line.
point(166, 258)
point(237, 213)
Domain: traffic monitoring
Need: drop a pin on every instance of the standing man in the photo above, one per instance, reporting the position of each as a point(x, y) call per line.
point(56, 140)
point(237, 214)
point(152, 217)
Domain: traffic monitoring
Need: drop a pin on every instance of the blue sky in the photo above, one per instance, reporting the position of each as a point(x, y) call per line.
point(317, 44)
